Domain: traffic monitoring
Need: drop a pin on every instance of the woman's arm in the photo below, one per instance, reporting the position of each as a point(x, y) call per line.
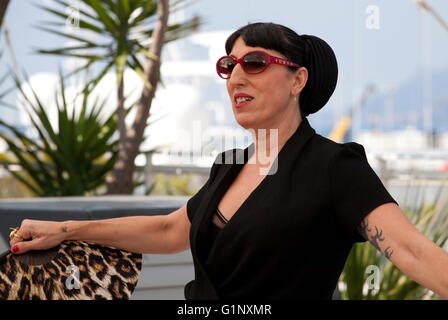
point(391, 232)
point(142, 234)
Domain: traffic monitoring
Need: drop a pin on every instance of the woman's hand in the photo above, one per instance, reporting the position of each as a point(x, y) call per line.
point(37, 235)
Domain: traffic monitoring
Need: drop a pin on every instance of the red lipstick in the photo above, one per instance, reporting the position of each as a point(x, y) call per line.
point(242, 99)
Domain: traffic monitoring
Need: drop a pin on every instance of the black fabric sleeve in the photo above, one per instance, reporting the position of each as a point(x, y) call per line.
point(355, 188)
point(194, 201)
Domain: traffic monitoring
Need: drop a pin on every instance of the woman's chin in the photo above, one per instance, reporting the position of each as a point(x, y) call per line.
point(245, 122)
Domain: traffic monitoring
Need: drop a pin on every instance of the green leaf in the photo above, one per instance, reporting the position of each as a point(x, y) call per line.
point(147, 53)
point(103, 15)
point(60, 162)
point(149, 10)
point(117, 27)
point(31, 148)
point(22, 161)
point(92, 83)
point(138, 68)
point(71, 54)
point(36, 191)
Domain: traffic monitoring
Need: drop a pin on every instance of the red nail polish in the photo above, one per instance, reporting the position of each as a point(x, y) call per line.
point(15, 249)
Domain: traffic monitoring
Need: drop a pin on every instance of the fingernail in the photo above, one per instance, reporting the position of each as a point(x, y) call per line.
point(15, 249)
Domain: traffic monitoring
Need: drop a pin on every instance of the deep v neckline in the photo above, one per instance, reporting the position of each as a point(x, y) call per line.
point(249, 151)
point(242, 159)
point(230, 169)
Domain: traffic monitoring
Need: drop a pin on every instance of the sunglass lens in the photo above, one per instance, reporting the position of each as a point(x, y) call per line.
point(225, 66)
point(254, 62)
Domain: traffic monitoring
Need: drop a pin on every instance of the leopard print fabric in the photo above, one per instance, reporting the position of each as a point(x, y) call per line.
point(78, 271)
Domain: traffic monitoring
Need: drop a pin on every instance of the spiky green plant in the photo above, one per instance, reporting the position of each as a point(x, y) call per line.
point(70, 158)
point(122, 29)
point(128, 34)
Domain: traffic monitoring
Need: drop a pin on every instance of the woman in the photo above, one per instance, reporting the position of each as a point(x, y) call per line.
point(280, 228)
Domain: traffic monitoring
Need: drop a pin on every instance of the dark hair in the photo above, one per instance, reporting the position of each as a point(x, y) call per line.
point(308, 51)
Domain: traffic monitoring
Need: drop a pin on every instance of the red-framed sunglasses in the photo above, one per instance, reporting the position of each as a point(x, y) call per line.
point(252, 62)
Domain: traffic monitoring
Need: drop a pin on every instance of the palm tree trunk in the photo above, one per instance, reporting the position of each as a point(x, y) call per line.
point(121, 113)
point(3, 7)
point(121, 179)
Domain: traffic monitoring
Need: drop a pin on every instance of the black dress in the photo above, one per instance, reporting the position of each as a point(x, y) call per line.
point(292, 235)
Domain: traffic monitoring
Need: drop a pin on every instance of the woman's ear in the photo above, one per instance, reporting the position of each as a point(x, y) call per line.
point(300, 77)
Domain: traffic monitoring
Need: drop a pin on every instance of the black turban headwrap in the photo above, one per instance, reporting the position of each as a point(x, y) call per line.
point(308, 51)
point(322, 67)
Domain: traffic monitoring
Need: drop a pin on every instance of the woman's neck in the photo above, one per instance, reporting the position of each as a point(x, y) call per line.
point(268, 142)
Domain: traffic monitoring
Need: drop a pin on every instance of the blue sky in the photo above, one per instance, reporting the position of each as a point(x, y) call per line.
point(386, 56)
point(389, 54)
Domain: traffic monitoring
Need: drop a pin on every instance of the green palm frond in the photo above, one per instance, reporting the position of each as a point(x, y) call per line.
point(121, 28)
point(71, 157)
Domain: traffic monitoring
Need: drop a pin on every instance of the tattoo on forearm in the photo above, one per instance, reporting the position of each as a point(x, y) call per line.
point(375, 239)
point(64, 229)
point(388, 253)
point(363, 228)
